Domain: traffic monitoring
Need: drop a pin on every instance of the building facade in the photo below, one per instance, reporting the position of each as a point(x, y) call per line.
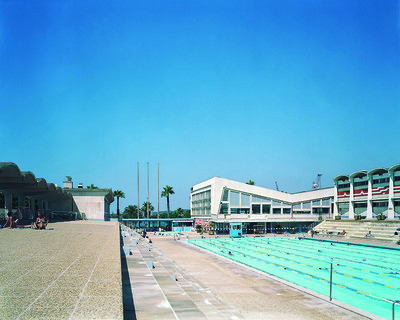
point(368, 194)
point(226, 201)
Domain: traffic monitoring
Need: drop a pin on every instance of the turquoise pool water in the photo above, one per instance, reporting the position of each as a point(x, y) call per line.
point(366, 277)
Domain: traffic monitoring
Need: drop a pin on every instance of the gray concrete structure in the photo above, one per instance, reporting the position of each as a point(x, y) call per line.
point(54, 201)
point(46, 196)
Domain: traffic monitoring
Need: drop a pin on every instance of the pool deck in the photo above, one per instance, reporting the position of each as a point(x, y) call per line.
point(76, 271)
point(252, 293)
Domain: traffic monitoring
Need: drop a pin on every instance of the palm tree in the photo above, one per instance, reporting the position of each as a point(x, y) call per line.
point(144, 209)
point(165, 193)
point(250, 182)
point(92, 186)
point(118, 194)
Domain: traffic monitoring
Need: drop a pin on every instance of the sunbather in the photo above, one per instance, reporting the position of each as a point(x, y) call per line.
point(11, 222)
point(41, 221)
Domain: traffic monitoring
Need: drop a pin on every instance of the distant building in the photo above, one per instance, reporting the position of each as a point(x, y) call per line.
point(94, 204)
point(259, 209)
point(37, 194)
point(368, 193)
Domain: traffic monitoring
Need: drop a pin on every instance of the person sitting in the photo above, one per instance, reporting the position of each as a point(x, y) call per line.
point(11, 222)
point(343, 233)
point(41, 222)
point(369, 234)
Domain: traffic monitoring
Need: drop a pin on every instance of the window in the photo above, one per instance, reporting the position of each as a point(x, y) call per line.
point(234, 198)
point(397, 178)
point(360, 205)
point(360, 183)
point(320, 210)
point(379, 181)
point(225, 195)
point(256, 208)
point(234, 210)
point(397, 203)
point(326, 202)
point(260, 199)
point(276, 203)
point(266, 209)
point(379, 204)
point(297, 206)
point(284, 204)
point(287, 211)
point(244, 210)
point(343, 208)
point(344, 186)
point(306, 205)
point(224, 208)
point(301, 212)
point(276, 211)
point(245, 200)
point(316, 203)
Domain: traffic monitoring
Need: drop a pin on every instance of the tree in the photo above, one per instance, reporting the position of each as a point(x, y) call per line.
point(179, 213)
point(167, 190)
point(118, 194)
point(143, 209)
point(92, 186)
point(130, 212)
point(250, 182)
point(187, 214)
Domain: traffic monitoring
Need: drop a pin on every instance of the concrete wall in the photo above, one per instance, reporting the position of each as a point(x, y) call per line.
point(91, 206)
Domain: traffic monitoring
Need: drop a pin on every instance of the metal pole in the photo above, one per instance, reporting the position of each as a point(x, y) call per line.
point(148, 190)
point(138, 205)
point(394, 303)
point(158, 192)
point(330, 281)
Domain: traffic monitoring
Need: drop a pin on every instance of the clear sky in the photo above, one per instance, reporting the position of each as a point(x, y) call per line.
point(267, 90)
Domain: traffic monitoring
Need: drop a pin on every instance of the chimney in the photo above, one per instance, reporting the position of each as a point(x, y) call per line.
point(67, 183)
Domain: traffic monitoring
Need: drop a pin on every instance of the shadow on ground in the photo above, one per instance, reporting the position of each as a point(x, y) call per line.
point(127, 297)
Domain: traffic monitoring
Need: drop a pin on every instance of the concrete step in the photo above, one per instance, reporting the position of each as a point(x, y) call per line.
point(187, 297)
point(204, 298)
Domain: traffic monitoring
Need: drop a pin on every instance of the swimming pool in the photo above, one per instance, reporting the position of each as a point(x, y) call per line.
point(168, 233)
point(366, 277)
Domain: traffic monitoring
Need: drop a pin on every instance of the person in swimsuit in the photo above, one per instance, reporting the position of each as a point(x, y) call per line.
point(10, 221)
point(41, 221)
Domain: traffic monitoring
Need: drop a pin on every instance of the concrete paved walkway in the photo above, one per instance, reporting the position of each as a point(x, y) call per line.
point(71, 271)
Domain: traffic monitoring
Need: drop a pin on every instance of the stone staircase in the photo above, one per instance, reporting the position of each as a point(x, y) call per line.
point(381, 230)
point(177, 295)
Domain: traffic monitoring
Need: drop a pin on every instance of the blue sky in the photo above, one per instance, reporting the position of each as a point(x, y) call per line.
point(261, 90)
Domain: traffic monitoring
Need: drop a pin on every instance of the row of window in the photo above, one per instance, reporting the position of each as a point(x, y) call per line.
point(239, 199)
point(375, 204)
point(381, 180)
point(360, 183)
point(201, 203)
point(365, 183)
point(202, 195)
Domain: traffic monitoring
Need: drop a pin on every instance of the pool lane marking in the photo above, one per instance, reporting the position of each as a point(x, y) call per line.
point(311, 252)
point(321, 261)
point(323, 269)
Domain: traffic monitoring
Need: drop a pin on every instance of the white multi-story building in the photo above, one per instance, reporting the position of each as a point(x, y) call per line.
point(368, 193)
point(259, 209)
